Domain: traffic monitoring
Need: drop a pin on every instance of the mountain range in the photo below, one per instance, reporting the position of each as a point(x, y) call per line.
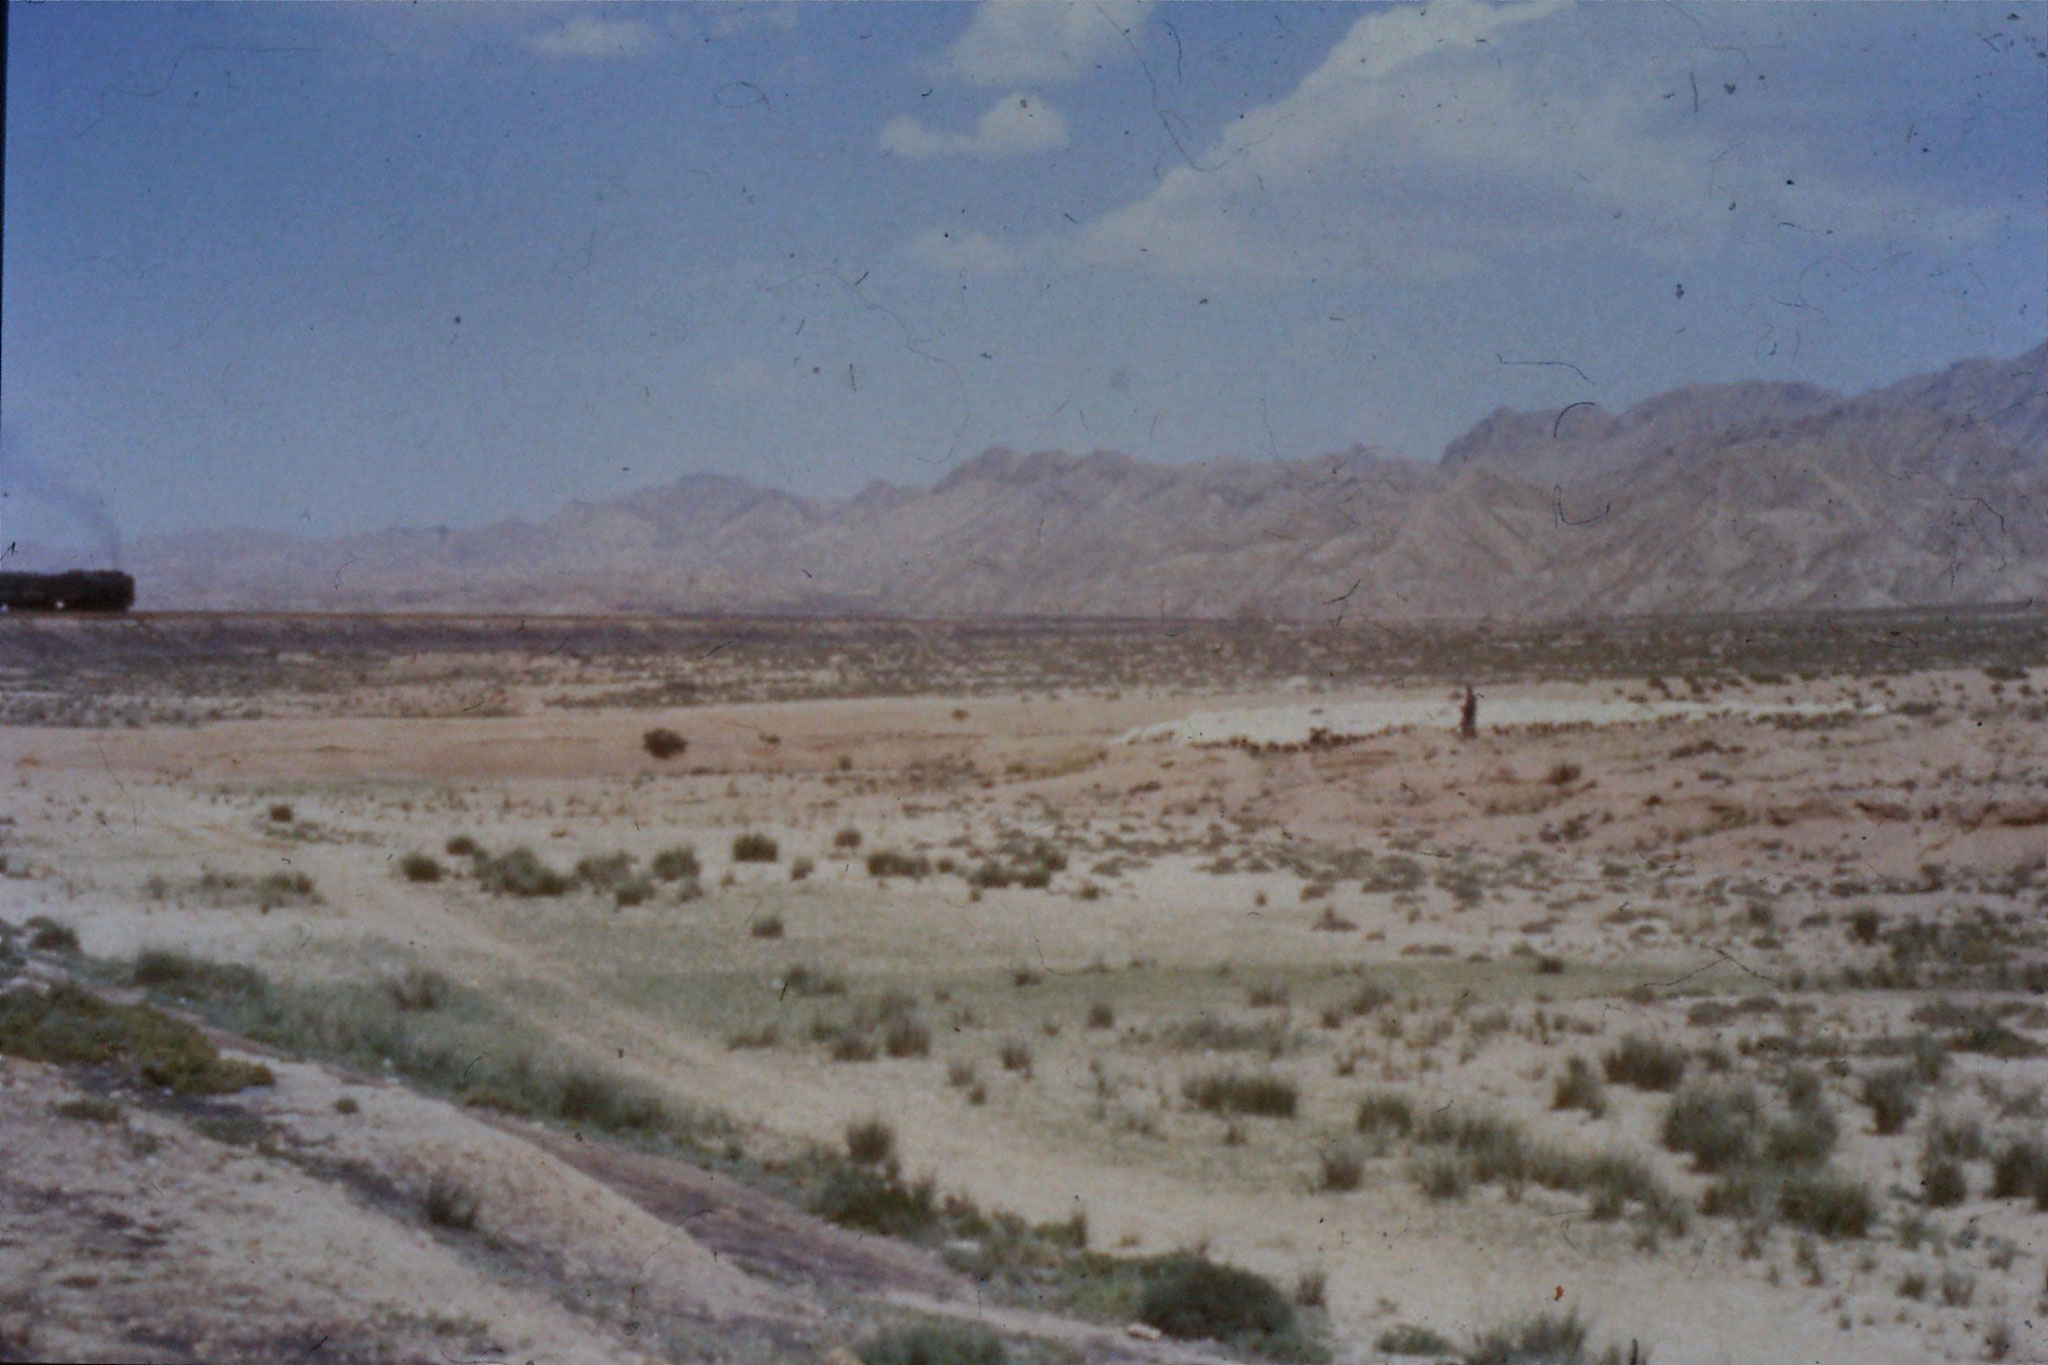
point(1729, 497)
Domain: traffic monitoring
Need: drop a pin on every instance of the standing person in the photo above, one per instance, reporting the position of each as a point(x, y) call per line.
point(1468, 715)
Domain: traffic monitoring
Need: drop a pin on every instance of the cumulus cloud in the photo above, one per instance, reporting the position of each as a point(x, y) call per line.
point(587, 36)
point(1013, 126)
point(1435, 137)
point(1013, 42)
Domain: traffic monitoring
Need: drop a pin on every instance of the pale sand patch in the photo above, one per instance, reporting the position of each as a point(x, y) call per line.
point(1377, 716)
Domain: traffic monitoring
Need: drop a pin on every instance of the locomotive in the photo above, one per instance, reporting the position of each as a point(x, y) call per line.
point(106, 590)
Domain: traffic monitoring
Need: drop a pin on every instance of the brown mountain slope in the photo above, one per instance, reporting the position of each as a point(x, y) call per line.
point(1725, 497)
point(1583, 442)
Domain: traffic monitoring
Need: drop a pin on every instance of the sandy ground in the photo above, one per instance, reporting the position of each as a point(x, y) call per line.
point(1663, 852)
point(1295, 724)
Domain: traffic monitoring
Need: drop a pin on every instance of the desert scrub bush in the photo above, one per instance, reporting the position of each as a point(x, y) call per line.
point(46, 935)
point(809, 983)
point(1645, 1063)
point(989, 876)
point(180, 976)
point(1441, 1175)
point(907, 1037)
point(1408, 1339)
point(2020, 1171)
point(1805, 1137)
point(766, 926)
point(801, 868)
point(1942, 1184)
point(871, 1142)
point(450, 1204)
point(1889, 1095)
point(891, 862)
point(521, 872)
point(675, 863)
point(663, 744)
point(569, 1090)
point(934, 1343)
point(633, 891)
point(86, 1109)
point(1831, 1206)
point(1717, 1128)
point(286, 888)
point(462, 846)
point(1101, 1016)
point(438, 1050)
point(418, 989)
point(1207, 1033)
point(1546, 1339)
point(601, 1100)
point(754, 847)
point(420, 867)
point(767, 1036)
point(605, 872)
point(280, 813)
point(1194, 1298)
point(1393, 875)
point(1015, 1056)
point(1579, 1088)
point(1343, 1169)
point(1490, 1149)
point(70, 1026)
point(1330, 922)
point(1261, 1094)
point(1368, 998)
point(876, 1200)
point(1991, 1037)
point(847, 838)
point(854, 1046)
point(1266, 996)
point(1956, 1139)
point(1385, 1112)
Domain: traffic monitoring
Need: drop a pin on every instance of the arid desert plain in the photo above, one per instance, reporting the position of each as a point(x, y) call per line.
point(396, 989)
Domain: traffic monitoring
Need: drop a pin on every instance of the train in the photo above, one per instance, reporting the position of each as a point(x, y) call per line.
point(101, 590)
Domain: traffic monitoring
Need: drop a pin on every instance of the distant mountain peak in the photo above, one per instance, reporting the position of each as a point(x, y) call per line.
point(1757, 494)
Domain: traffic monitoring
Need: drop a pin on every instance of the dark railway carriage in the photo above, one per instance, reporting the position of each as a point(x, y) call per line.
point(75, 590)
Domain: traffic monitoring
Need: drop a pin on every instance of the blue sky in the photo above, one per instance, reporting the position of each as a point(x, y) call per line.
point(327, 268)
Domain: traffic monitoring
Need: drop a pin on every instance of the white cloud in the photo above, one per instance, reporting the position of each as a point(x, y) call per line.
point(1013, 126)
point(1433, 137)
point(587, 36)
point(1013, 42)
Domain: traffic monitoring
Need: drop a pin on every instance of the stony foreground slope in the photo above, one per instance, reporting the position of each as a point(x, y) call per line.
point(323, 1214)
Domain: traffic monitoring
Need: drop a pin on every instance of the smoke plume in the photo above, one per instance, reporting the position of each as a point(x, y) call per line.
point(27, 481)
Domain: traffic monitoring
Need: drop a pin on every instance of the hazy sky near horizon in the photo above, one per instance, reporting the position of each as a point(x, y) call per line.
point(321, 268)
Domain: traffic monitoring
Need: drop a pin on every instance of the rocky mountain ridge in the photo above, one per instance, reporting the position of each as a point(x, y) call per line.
point(1726, 497)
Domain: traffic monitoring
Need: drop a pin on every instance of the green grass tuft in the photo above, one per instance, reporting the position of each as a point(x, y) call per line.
point(70, 1026)
point(1232, 1092)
